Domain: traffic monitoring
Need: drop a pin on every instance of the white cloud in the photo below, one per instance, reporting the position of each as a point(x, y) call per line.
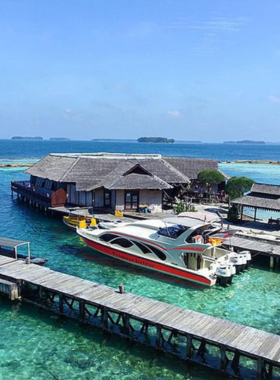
point(216, 24)
point(174, 113)
point(274, 99)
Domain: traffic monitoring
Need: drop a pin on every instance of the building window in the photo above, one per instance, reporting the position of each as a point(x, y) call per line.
point(107, 198)
point(131, 200)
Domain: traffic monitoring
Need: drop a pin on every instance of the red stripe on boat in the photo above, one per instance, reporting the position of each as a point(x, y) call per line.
point(190, 248)
point(146, 263)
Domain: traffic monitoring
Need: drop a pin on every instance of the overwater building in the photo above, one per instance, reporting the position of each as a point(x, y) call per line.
point(110, 181)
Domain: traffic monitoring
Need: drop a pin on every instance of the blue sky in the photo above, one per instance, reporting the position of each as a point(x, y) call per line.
point(183, 69)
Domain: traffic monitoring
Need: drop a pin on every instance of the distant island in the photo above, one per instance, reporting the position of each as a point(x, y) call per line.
point(27, 138)
point(155, 140)
point(59, 139)
point(245, 142)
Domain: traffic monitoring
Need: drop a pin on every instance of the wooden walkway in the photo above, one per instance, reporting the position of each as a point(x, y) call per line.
point(254, 245)
point(154, 323)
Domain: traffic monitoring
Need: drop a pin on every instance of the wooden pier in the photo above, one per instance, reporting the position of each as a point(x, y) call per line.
point(226, 346)
point(256, 246)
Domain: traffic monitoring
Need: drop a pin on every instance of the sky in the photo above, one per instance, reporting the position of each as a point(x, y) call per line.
point(182, 69)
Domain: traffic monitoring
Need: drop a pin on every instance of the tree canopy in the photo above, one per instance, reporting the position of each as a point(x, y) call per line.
point(210, 177)
point(238, 186)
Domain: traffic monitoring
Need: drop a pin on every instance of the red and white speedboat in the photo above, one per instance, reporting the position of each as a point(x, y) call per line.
point(174, 246)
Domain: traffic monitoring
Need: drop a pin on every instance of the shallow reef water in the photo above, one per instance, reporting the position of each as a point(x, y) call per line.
point(37, 345)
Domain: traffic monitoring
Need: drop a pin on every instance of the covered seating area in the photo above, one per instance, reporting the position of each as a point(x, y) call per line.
point(11, 246)
point(261, 197)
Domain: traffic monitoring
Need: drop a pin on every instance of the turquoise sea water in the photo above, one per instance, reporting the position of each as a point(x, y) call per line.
point(36, 345)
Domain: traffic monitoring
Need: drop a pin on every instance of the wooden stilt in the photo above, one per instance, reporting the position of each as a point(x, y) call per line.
point(271, 264)
point(224, 359)
point(61, 308)
point(189, 346)
point(82, 310)
point(260, 368)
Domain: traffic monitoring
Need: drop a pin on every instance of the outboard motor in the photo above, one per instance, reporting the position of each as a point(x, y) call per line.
point(243, 255)
point(225, 273)
point(237, 260)
point(247, 255)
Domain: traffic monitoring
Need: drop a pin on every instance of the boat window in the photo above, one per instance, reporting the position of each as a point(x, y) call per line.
point(196, 232)
point(172, 232)
point(158, 253)
point(150, 249)
point(107, 237)
point(142, 247)
point(122, 242)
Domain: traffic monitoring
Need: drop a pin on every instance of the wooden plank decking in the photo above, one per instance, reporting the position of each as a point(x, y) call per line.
point(74, 297)
point(254, 245)
point(247, 340)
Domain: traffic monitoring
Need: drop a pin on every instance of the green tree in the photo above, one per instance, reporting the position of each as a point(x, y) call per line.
point(233, 214)
point(210, 177)
point(237, 186)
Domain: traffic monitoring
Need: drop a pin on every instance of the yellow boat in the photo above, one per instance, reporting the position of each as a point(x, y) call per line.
point(74, 221)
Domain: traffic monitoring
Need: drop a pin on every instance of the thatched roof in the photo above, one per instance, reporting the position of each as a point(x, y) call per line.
point(263, 188)
point(191, 167)
point(118, 171)
point(257, 202)
point(137, 181)
point(261, 196)
point(53, 168)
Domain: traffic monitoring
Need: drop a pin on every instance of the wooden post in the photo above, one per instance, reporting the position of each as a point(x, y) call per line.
point(202, 349)
point(235, 363)
point(61, 309)
point(189, 347)
point(270, 371)
point(126, 324)
point(158, 337)
point(260, 368)
point(121, 289)
point(82, 310)
point(271, 265)
point(224, 359)
point(105, 317)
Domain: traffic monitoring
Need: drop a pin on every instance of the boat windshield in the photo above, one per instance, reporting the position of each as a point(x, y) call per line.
point(173, 231)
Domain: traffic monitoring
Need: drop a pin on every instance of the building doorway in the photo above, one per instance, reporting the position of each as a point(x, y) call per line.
point(131, 200)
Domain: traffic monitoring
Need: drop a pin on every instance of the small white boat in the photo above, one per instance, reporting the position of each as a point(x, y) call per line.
point(173, 246)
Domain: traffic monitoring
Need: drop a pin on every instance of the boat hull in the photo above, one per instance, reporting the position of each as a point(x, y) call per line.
point(150, 264)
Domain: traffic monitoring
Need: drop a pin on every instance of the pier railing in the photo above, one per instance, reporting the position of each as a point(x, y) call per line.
point(37, 196)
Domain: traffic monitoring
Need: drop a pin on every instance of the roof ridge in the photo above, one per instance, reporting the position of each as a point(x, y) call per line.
point(176, 170)
point(70, 168)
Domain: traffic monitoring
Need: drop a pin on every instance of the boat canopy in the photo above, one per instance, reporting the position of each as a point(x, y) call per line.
point(186, 222)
